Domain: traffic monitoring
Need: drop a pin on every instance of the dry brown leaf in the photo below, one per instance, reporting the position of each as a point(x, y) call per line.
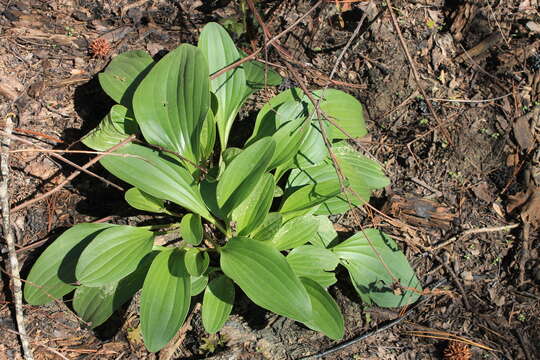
point(10, 88)
point(517, 200)
point(531, 211)
point(522, 133)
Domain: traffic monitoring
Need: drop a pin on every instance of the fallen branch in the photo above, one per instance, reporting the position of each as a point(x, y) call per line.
point(8, 235)
point(473, 231)
point(61, 158)
point(72, 176)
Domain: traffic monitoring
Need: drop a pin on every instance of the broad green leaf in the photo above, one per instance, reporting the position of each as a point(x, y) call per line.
point(96, 304)
point(370, 277)
point(143, 201)
point(113, 129)
point(355, 164)
point(326, 172)
point(172, 101)
point(158, 175)
point(230, 88)
point(268, 111)
point(53, 274)
point(191, 229)
point(306, 197)
point(165, 299)
point(217, 304)
point(207, 189)
point(269, 120)
point(313, 149)
point(196, 261)
point(326, 315)
point(326, 233)
point(315, 263)
point(288, 127)
point(253, 210)
point(266, 277)
point(243, 173)
point(362, 174)
point(198, 284)
point(124, 74)
point(113, 254)
point(296, 232)
point(342, 108)
point(289, 138)
point(269, 227)
point(282, 108)
point(208, 136)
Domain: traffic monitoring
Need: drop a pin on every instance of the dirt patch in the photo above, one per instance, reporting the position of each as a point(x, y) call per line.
point(477, 168)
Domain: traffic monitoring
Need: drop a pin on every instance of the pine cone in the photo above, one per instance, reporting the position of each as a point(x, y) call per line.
point(100, 47)
point(457, 351)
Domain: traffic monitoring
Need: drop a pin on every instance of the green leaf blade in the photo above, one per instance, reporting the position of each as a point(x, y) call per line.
point(230, 88)
point(314, 263)
point(165, 299)
point(361, 254)
point(253, 210)
point(243, 174)
point(217, 304)
point(124, 74)
point(191, 229)
point(113, 254)
point(53, 274)
point(265, 277)
point(172, 102)
point(196, 261)
point(296, 232)
point(113, 129)
point(327, 316)
point(308, 196)
point(156, 174)
point(143, 201)
point(96, 304)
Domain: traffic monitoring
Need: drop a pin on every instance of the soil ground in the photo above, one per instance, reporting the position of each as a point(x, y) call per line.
point(457, 178)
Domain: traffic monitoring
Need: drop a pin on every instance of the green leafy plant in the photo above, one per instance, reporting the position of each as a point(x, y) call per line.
point(253, 217)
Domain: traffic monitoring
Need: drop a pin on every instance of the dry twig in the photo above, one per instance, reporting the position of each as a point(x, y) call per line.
point(8, 235)
point(61, 158)
point(73, 176)
point(473, 231)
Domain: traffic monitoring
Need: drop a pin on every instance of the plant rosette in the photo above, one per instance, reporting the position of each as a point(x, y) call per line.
point(254, 217)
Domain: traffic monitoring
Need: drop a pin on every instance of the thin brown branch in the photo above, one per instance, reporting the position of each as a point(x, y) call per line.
point(8, 235)
point(72, 176)
point(36, 133)
point(61, 158)
point(473, 231)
